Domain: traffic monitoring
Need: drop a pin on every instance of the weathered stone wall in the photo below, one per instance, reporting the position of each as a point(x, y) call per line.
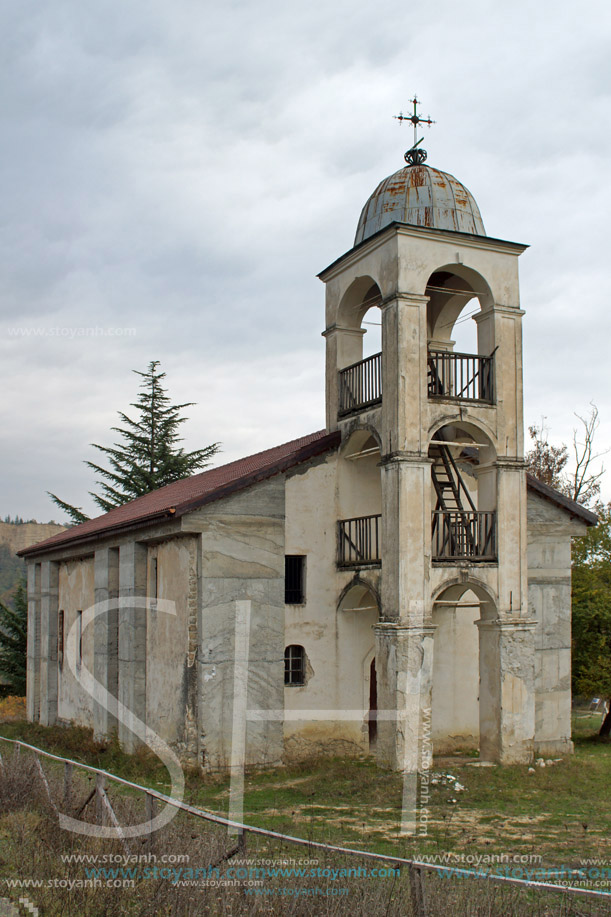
point(169, 656)
point(455, 700)
point(549, 594)
point(241, 628)
point(339, 641)
point(76, 593)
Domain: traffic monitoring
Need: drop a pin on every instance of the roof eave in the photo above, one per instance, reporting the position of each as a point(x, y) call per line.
point(301, 455)
point(468, 238)
point(570, 506)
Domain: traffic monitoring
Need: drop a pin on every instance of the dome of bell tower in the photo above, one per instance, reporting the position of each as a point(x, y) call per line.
point(420, 196)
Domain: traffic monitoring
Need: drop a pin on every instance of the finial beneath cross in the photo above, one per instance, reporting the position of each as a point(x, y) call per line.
point(414, 156)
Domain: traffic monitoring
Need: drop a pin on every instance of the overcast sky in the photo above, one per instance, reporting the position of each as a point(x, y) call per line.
point(178, 173)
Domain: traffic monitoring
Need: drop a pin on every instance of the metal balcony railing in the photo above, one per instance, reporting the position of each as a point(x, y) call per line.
point(459, 535)
point(359, 541)
point(360, 385)
point(464, 376)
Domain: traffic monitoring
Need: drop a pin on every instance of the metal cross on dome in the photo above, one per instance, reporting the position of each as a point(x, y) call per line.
point(415, 156)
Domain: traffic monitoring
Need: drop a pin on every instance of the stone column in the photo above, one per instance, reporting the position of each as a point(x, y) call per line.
point(33, 648)
point(512, 537)
point(507, 689)
point(106, 635)
point(132, 637)
point(404, 670)
point(406, 538)
point(404, 375)
point(500, 327)
point(49, 583)
point(344, 347)
point(404, 643)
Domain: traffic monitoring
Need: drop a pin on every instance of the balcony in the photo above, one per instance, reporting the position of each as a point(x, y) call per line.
point(461, 376)
point(360, 385)
point(461, 535)
point(358, 541)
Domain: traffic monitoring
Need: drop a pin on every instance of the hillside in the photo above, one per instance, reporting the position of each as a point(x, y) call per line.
point(14, 537)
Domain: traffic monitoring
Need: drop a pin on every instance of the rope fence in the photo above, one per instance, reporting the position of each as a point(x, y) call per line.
point(105, 811)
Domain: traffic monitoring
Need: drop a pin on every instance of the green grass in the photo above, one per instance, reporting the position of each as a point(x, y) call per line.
point(560, 813)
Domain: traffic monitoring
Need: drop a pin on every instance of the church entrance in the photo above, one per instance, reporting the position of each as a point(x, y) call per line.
point(373, 704)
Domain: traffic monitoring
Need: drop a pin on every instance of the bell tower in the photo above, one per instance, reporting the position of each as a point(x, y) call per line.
point(448, 430)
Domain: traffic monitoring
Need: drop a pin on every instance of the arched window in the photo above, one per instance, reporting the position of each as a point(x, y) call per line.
point(294, 665)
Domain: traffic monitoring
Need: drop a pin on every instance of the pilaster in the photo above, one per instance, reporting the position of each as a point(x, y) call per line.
point(344, 347)
point(406, 537)
point(404, 374)
point(404, 668)
point(507, 690)
point(512, 538)
point(49, 583)
point(33, 644)
point(106, 635)
point(132, 636)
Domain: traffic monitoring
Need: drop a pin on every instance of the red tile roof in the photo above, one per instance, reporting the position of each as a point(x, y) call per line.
point(174, 500)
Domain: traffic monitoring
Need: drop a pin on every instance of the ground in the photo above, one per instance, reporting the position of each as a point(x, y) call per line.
point(560, 812)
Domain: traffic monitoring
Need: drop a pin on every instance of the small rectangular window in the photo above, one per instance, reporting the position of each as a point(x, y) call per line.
point(294, 665)
point(153, 583)
point(60, 637)
point(79, 637)
point(294, 579)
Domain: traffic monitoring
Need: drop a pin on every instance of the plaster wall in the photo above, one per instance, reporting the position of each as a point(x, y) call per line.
point(549, 596)
point(76, 593)
point(455, 706)
point(241, 626)
point(167, 637)
point(329, 714)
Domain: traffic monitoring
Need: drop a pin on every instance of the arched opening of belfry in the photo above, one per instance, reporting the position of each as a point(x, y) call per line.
point(459, 298)
point(458, 718)
point(360, 347)
point(463, 494)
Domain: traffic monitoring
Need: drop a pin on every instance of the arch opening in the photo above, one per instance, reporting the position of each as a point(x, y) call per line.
point(359, 347)
point(463, 494)
point(358, 612)
point(455, 293)
point(359, 492)
point(460, 337)
point(462, 715)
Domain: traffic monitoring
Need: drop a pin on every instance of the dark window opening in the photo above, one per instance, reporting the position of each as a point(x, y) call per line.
point(154, 582)
point(79, 633)
point(294, 665)
point(60, 638)
point(294, 579)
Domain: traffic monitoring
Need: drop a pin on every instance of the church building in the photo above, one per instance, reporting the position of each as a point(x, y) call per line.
point(392, 580)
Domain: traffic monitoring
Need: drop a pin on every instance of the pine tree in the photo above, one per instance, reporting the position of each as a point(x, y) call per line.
point(149, 455)
point(13, 643)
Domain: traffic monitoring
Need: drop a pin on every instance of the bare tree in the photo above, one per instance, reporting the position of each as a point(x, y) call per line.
point(548, 463)
point(585, 483)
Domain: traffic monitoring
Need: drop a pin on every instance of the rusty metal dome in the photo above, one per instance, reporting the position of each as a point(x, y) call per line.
point(421, 196)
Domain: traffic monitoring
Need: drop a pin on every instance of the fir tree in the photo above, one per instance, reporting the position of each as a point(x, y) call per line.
point(149, 455)
point(13, 643)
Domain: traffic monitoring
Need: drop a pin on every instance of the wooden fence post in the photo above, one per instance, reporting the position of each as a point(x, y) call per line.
point(100, 783)
point(416, 888)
